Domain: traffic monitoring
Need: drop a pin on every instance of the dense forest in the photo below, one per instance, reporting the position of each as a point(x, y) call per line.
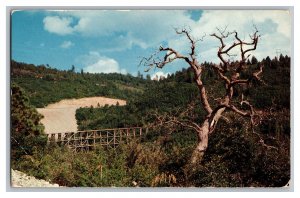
point(236, 156)
point(45, 85)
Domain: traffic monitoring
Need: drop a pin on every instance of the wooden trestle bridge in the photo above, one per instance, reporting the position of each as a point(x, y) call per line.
point(87, 140)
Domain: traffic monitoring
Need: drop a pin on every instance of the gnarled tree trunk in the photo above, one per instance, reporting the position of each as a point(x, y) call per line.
point(228, 72)
point(202, 143)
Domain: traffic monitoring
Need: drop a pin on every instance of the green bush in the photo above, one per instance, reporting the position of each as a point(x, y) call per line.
point(26, 130)
point(236, 157)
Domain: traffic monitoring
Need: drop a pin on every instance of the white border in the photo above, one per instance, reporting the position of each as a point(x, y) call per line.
point(141, 3)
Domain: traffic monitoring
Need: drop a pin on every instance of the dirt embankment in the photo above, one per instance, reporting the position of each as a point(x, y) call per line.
point(60, 117)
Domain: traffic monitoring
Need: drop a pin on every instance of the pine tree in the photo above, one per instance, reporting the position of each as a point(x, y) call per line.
point(26, 130)
point(254, 60)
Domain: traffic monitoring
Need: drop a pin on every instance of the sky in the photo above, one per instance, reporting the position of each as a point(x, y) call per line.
point(107, 41)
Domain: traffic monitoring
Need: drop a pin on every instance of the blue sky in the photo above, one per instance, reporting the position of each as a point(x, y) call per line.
point(114, 41)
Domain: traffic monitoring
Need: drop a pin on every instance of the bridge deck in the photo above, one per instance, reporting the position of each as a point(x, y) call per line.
point(86, 140)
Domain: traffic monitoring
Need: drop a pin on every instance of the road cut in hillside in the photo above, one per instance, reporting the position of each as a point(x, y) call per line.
point(60, 117)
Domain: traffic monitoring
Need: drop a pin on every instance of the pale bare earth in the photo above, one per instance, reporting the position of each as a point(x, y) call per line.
point(60, 117)
point(20, 179)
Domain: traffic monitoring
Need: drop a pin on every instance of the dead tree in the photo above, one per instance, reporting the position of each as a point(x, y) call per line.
point(229, 73)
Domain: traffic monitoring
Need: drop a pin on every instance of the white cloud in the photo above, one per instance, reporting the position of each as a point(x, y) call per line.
point(158, 75)
point(150, 28)
point(274, 27)
point(144, 28)
point(95, 63)
point(58, 25)
point(88, 59)
point(66, 44)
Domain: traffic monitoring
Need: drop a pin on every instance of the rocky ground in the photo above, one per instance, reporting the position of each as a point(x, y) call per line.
point(19, 179)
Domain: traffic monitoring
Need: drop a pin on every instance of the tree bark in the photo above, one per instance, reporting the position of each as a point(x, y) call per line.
point(205, 130)
point(228, 72)
point(202, 143)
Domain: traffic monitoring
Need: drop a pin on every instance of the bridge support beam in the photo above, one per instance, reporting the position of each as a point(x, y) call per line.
point(86, 140)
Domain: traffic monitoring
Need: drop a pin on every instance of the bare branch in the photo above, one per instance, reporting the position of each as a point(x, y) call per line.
point(192, 41)
point(225, 51)
point(229, 72)
point(172, 120)
point(256, 74)
point(221, 72)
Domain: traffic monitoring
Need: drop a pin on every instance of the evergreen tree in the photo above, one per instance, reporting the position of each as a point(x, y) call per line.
point(248, 62)
point(139, 75)
point(26, 130)
point(268, 61)
point(254, 60)
point(148, 77)
point(73, 69)
point(274, 63)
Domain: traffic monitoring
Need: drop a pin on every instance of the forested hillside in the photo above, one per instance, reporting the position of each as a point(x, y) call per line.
point(45, 85)
point(178, 90)
point(237, 156)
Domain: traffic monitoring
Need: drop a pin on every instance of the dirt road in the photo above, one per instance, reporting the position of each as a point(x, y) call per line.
point(60, 117)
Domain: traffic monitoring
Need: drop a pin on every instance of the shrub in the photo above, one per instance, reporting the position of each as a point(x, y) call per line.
point(26, 130)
